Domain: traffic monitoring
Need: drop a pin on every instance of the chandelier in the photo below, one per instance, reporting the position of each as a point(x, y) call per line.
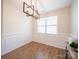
point(31, 10)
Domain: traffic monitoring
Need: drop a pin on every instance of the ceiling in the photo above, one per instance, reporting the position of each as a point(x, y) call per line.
point(49, 5)
point(43, 6)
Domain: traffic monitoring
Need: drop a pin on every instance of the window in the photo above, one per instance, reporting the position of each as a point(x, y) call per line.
point(47, 25)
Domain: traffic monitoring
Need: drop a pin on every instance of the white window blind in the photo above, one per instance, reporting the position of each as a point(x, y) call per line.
point(47, 25)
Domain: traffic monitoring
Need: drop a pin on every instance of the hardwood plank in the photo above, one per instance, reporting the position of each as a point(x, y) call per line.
point(36, 50)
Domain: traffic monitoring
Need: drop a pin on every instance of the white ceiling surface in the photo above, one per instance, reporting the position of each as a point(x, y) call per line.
point(50, 5)
point(44, 6)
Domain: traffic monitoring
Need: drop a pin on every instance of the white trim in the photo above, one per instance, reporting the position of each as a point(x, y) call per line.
point(74, 36)
point(10, 34)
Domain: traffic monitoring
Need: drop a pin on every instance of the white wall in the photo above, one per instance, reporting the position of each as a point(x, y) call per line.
point(74, 19)
point(16, 27)
point(64, 29)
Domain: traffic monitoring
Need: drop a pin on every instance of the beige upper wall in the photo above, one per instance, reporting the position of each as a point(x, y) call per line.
point(64, 19)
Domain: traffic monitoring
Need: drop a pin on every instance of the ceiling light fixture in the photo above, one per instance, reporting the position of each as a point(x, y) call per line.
point(31, 10)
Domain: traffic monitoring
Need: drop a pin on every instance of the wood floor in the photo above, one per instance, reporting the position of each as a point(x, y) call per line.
point(35, 50)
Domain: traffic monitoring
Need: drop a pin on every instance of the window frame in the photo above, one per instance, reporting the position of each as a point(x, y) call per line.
point(45, 26)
